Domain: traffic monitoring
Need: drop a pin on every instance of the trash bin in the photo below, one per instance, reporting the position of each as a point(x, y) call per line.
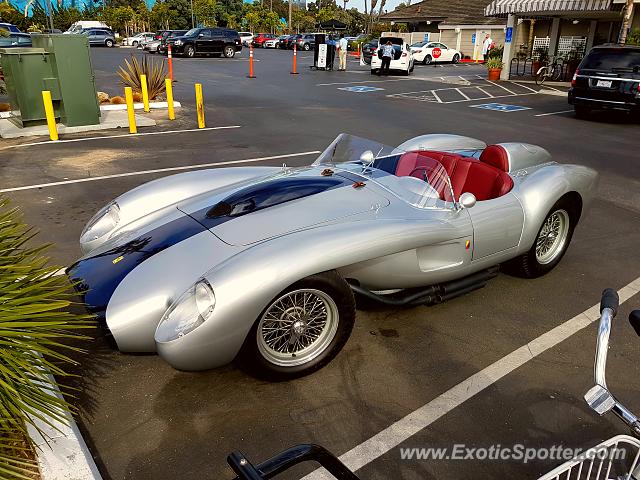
point(27, 72)
point(71, 65)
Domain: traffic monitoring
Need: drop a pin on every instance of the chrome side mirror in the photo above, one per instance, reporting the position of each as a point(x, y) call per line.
point(367, 157)
point(467, 200)
point(600, 400)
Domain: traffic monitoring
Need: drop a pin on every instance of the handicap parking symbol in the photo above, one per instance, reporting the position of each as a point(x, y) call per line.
point(360, 88)
point(500, 107)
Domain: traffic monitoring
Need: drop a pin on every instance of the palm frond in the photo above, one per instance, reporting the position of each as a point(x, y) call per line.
point(154, 70)
point(35, 325)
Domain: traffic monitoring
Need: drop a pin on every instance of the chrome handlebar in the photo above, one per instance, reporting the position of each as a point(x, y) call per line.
point(599, 398)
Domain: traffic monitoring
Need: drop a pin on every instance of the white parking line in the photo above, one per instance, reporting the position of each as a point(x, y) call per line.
point(485, 92)
point(157, 170)
point(436, 96)
point(502, 87)
point(460, 92)
point(362, 81)
point(130, 135)
point(524, 86)
point(553, 113)
point(424, 416)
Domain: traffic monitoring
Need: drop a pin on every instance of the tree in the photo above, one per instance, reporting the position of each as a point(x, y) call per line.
point(181, 10)
point(626, 22)
point(206, 12)
point(301, 21)
point(118, 18)
point(634, 37)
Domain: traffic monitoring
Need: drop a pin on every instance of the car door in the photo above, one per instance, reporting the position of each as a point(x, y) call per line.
point(93, 37)
point(203, 41)
point(217, 40)
point(447, 53)
point(497, 226)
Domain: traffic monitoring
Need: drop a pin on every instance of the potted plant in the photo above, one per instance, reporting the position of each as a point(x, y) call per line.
point(494, 67)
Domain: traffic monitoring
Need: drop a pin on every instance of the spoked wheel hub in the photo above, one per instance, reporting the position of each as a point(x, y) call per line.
point(297, 327)
point(552, 238)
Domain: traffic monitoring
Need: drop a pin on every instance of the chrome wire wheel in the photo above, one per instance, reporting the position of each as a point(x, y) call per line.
point(552, 238)
point(297, 327)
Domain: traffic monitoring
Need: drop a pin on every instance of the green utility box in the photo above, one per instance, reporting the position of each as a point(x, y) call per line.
point(60, 64)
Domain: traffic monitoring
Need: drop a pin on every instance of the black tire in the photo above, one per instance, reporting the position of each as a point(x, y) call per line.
point(306, 47)
point(456, 58)
point(109, 43)
point(427, 60)
point(528, 265)
point(332, 285)
point(135, 44)
point(229, 51)
point(374, 71)
point(581, 111)
point(189, 51)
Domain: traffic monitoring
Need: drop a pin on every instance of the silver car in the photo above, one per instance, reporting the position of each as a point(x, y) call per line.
point(264, 263)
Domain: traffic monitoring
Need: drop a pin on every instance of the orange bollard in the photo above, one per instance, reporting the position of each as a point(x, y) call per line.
point(295, 58)
point(251, 75)
point(170, 62)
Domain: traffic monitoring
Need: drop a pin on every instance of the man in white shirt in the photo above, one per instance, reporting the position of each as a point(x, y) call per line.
point(342, 53)
point(486, 46)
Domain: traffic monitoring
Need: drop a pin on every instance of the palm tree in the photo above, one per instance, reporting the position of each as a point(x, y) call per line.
point(35, 326)
point(626, 22)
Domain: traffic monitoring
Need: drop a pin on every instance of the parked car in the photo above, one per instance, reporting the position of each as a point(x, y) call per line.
point(246, 38)
point(81, 25)
point(271, 43)
point(607, 78)
point(306, 41)
point(15, 40)
point(279, 40)
point(287, 43)
point(136, 40)
point(99, 36)
point(9, 27)
point(369, 49)
point(353, 41)
point(151, 46)
point(259, 39)
point(423, 53)
point(166, 35)
point(402, 60)
point(206, 41)
point(265, 261)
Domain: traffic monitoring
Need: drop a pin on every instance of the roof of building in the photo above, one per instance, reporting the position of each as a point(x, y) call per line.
point(448, 12)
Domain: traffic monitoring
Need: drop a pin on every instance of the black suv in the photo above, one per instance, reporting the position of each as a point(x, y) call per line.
point(608, 77)
point(206, 41)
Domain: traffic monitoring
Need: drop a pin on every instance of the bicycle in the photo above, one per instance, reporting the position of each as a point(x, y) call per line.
point(551, 71)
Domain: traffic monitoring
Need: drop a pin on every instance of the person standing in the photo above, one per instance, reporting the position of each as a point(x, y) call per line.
point(486, 47)
point(387, 55)
point(342, 52)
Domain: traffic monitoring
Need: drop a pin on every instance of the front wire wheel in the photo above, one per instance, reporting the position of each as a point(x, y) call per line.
point(552, 237)
point(302, 329)
point(297, 327)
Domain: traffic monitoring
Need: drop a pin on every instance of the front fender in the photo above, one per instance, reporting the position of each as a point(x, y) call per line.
point(245, 283)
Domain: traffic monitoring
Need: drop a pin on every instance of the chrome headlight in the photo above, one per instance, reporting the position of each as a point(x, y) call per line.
point(102, 223)
point(178, 42)
point(191, 310)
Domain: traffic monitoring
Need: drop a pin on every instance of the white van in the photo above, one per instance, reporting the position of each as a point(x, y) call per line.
point(77, 27)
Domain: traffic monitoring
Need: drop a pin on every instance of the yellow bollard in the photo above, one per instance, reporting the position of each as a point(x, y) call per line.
point(145, 92)
point(51, 116)
point(172, 114)
point(128, 95)
point(200, 105)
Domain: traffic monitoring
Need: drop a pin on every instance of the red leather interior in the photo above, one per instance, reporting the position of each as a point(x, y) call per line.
point(467, 174)
point(496, 156)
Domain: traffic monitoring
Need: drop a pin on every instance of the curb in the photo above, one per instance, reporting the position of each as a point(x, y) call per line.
point(62, 452)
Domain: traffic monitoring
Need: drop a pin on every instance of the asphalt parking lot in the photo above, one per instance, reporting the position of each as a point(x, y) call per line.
point(144, 420)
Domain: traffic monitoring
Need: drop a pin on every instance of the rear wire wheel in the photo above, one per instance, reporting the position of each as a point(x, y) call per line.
point(551, 242)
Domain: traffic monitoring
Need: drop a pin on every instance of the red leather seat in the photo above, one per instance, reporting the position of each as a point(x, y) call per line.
point(486, 178)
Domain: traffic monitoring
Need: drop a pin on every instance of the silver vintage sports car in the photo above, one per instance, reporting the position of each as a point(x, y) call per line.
point(262, 263)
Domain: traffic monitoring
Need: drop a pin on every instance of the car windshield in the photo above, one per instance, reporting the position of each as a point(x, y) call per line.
point(611, 59)
point(418, 180)
point(192, 33)
point(419, 44)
